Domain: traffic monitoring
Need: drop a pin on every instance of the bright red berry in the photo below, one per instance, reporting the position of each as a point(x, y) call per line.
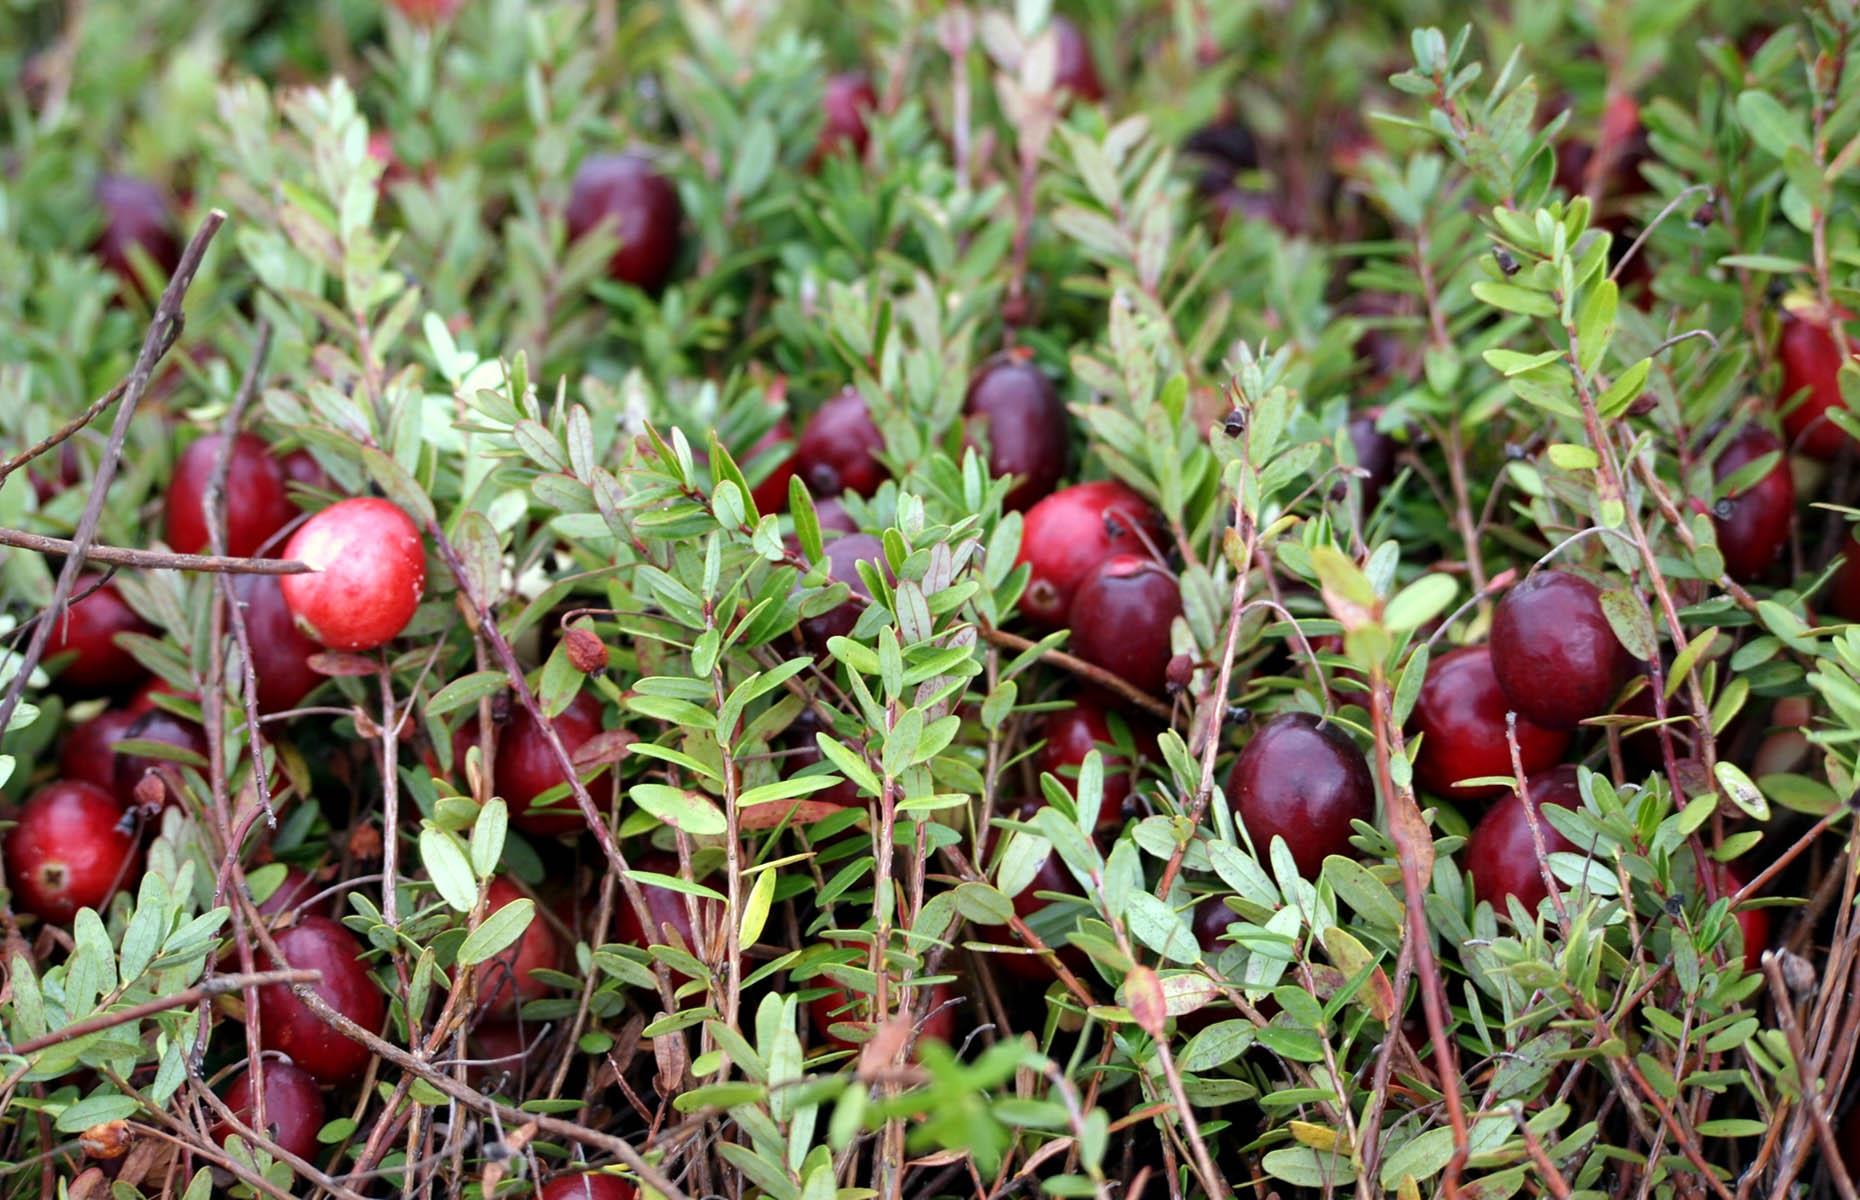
point(837, 1008)
point(504, 981)
point(844, 104)
point(1070, 735)
point(255, 502)
point(1302, 779)
point(1072, 531)
point(1501, 852)
point(73, 847)
point(1811, 361)
point(1553, 651)
point(843, 553)
point(526, 766)
point(368, 573)
point(1014, 408)
point(428, 12)
point(89, 752)
point(88, 629)
point(1121, 616)
point(771, 495)
point(286, 1023)
point(280, 651)
point(587, 1185)
point(839, 447)
point(293, 1107)
point(639, 205)
point(1753, 525)
point(1073, 68)
point(135, 219)
point(1461, 715)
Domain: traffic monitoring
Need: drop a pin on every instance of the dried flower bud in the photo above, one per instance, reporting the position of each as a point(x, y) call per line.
point(585, 651)
point(108, 1140)
point(1235, 424)
point(1506, 263)
point(1642, 405)
point(1181, 669)
point(150, 792)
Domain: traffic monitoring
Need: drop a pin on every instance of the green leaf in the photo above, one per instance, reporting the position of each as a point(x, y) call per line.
point(693, 812)
point(1161, 928)
point(497, 931)
point(756, 909)
point(97, 1110)
point(1624, 390)
point(1742, 791)
point(1420, 602)
point(1304, 1167)
point(467, 689)
point(1771, 125)
point(1421, 1157)
point(487, 837)
point(449, 869)
point(1512, 298)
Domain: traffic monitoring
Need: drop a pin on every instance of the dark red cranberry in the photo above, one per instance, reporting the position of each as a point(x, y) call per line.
point(500, 1052)
point(1304, 780)
point(1753, 923)
point(1811, 361)
point(504, 981)
point(1014, 408)
point(839, 447)
point(666, 907)
point(1609, 166)
point(49, 481)
point(89, 752)
point(72, 848)
point(302, 468)
point(256, 505)
point(848, 98)
point(1461, 715)
point(1844, 589)
point(1210, 920)
point(369, 572)
point(833, 518)
point(1120, 619)
point(1501, 854)
point(286, 1023)
point(587, 1185)
point(88, 629)
point(135, 217)
point(842, 554)
point(639, 205)
point(1375, 454)
point(293, 1108)
point(1070, 735)
point(1553, 651)
point(1072, 531)
point(1751, 536)
point(526, 767)
point(1073, 68)
point(836, 1008)
point(771, 495)
point(155, 725)
point(280, 651)
point(293, 895)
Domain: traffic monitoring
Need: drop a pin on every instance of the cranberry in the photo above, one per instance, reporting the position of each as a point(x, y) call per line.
point(302, 468)
point(428, 12)
point(1375, 454)
point(665, 906)
point(505, 981)
point(836, 1008)
point(293, 1108)
point(1072, 531)
point(844, 104)
point(47, 483)
point(1031, 908)
point(1073, 68)
point(1812, 361)
point(587, 1185)
point(1753, 535)
point(291, 896)
point(135, 218)
point(499, 1052)
point(286, 1023)
point(1209, 921)
point(280, 651)
point(154, 725)
point(369, 572)
point(88, 629)
point(832, 517)
point(1610, 166)
point(1844, 591)
point(1500, 852)
point(1070, 735)
point(1753, 923)
point(526, 767)
point(255, 503)
point(72, 847)
point(1553, 651)
point(89, 753)
point(1304, 780)
point(1016, 409)
point(771, 495)
point(839, 446)
point(1121, 615)
point(842, 554)
point(1461, 715)
point(634, 201)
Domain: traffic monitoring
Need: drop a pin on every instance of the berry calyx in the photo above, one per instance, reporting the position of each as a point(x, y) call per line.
point(504, 981)
point(1121, 615)
point(73, 846)
point(1073, 530)
point(1460, 714)
point(1014, 409)
point(1302, 779)
point(526, 766)
point(368, 574)
point(293, 1107)
point(255, 502)
point(87, 629)
point(287, 1025)
point(1501, 853)
point(838, 449)
point(1753, 524)
point(639, 205)
point(1553, 651)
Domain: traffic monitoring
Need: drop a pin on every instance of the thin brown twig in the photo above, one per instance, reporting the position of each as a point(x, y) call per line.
point(218, 986)
point(151, 560)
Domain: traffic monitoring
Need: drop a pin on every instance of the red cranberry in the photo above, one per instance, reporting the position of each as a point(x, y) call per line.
point(500, 1051)
point(428, 12)
point(1752, 536)
point(1120, 619)
point(369, 571)
point(1811, 361)
point(89, 753)
point(1461, 715)
point(1375, 454)
point(1210, 920)
point(280, 651)
point(255, 502)
point(72, 848)
point(293, 1108)
point(587, 1185)
point(1753, 923)
point(1072, 531)
point(836, 1008)
point(666, 907)
point(88, 629)
point(1073, 68)
point(1304, 780)
point(639, 205)
point(1015, 408)
point(286, 1023)
point(1073, 733)
point(154, 725)
point(848, 98)
point(291, 895)
point(302, 468)
point(833, 518)
point(1031, 908)
point(771, 495)
point(505, 981)
point(1500, 852)
point(526, 767)
point(48, 482)
point(842, 554)
point(1553, 651)
point(1844, 590)
point(135, 217)
point(839, 447)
